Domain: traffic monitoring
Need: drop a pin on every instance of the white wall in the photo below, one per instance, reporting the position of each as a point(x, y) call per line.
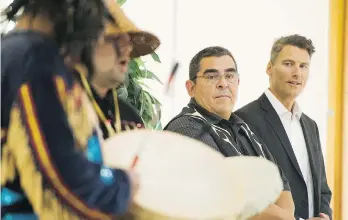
point(248, 28)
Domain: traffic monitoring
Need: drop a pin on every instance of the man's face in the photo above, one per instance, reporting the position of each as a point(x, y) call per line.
point(110, 60)
point(216, 86)
point(289, 72)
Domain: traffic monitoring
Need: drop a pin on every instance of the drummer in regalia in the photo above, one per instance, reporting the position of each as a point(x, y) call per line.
point(45, 126)
point(105, 69)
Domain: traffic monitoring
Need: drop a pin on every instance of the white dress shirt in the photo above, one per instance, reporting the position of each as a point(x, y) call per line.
point(292, 126)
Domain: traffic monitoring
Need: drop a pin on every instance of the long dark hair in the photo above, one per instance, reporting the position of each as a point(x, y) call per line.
point(77, 23)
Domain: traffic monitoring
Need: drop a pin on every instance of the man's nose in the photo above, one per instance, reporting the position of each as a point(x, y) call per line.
point(297, 71)
point(222, 82)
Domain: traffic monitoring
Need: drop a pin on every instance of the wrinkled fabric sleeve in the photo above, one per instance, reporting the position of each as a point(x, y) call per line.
point(65, 169)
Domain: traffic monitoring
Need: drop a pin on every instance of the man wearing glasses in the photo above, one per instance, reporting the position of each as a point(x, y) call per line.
point(213, 88)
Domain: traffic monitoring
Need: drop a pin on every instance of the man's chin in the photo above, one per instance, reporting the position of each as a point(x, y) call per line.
point(224, 101)
point(225, 107)
point(115, 83)
point(294, 94)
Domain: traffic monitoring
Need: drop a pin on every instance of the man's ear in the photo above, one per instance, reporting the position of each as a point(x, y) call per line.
point(190, 87)
point(269, 68)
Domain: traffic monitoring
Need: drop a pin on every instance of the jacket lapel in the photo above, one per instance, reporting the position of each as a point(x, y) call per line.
point(312, 154)
point(273, 119)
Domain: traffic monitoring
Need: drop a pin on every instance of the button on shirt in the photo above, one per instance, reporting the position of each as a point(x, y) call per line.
point(293, 128)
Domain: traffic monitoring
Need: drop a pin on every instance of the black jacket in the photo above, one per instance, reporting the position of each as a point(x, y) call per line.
point(262, 117)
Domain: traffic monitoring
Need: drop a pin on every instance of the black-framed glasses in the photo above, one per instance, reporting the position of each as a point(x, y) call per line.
point(213, 78)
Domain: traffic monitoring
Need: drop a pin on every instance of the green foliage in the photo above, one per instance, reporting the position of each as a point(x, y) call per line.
point(121, 2)
point(155, 57)
point(134, 90)
point(142, 100)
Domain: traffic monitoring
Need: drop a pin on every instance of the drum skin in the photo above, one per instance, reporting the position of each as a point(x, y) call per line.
point(184, 179)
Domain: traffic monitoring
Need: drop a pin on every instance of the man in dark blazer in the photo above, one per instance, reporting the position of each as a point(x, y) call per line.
point(291, 136)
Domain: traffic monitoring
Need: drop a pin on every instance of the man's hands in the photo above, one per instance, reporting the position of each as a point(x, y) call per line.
point(274, 212)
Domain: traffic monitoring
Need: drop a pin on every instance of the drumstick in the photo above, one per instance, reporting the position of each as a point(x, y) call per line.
point(135, 161)
point(137, 154)
point(171, 76)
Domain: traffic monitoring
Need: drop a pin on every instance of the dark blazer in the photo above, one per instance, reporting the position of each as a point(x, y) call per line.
point(263, 118)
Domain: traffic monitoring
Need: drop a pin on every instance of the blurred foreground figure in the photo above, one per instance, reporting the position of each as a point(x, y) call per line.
point(47, 122)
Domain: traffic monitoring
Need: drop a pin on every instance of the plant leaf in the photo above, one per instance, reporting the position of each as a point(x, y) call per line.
point(146, 114)
point(122, 92)
point(149, 104)
point(141, 99)
point(159, 126)
point(155, 101)
point(121, 2)
point(155, 57)
point(143, 84)
point(133, 69)
point(139, 61)
point(137, 90)
point(151, 75)
point(142, 103)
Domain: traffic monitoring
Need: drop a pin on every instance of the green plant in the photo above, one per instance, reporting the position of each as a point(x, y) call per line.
point(134, 90)
point(121, 2)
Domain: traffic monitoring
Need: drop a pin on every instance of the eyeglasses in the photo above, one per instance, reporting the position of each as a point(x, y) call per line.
point(213, 78)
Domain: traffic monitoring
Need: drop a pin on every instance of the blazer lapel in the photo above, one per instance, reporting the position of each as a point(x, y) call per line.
point(314, 160)
point(273, 119)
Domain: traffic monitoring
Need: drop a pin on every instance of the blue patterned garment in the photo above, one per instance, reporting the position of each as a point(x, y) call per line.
point(20, 217)
point(94, 154)
point(44, 120)
point(8, 198)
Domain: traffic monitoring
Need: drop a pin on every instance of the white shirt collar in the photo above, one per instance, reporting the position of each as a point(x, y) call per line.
point(280, 108)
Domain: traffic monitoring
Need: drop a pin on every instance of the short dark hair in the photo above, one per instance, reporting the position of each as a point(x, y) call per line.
point(293, 40)
point(214, 51)
point(77, 23)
